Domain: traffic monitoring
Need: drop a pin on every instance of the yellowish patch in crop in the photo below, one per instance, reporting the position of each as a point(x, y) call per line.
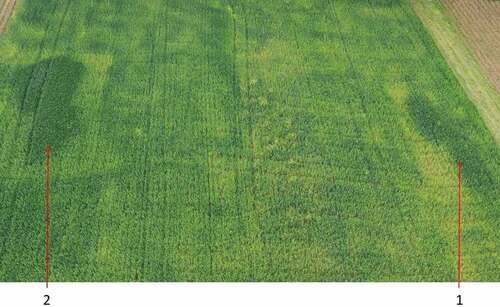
point(99, 62)
point(9, 52)
point(399, 93)
point(281, 58)
point(108, 248)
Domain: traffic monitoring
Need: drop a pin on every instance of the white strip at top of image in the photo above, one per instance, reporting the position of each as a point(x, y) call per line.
point(249, 294)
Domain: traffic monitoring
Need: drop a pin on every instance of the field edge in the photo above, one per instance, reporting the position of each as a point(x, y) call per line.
point(6, 12)
point(462, 61)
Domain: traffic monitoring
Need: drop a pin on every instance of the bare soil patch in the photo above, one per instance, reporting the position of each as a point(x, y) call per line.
point(479, 20)
point(6, 8)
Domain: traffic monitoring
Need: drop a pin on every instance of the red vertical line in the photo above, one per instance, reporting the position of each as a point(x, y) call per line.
point(459, 264)
point(47, 205)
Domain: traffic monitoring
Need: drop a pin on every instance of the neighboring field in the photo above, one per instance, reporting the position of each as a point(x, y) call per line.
point(239, 140)
point(480, 21)
point(6, 7)
point(459, 54)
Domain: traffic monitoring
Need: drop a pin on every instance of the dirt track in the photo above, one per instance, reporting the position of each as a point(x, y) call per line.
point(479, 20)
point(6, 8)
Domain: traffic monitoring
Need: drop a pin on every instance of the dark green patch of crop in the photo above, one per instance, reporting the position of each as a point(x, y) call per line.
point(45, 93)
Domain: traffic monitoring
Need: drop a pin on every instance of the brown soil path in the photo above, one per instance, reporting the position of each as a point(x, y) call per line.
point(6, 8)
point(479, 20)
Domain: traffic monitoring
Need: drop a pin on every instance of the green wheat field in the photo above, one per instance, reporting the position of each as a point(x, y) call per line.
point(299, 140)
